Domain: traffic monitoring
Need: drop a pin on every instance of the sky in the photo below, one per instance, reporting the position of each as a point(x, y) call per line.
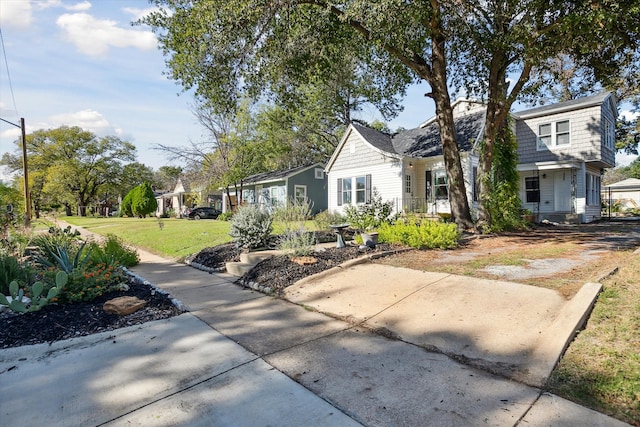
point(82, 63)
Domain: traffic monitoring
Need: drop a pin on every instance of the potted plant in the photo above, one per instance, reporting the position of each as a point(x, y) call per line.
point(366, 218)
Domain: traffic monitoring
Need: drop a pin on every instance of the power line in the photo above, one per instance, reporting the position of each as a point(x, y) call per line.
point(6, 63)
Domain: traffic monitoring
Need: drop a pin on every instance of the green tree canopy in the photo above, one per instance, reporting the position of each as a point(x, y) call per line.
point(69, 165)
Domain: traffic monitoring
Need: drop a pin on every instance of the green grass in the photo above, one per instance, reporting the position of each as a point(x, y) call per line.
point(601, 368)
point(170, 237)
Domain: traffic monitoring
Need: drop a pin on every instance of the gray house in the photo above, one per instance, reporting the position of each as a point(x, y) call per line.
point(562, 152)
point(273, 189)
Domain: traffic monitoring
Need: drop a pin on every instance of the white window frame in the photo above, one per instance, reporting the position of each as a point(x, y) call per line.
point(295, 193)
point(552, 136)
point(347, 191)
point(408, 188)
point(592, 187)
point(318, 173)
point(440, 185)
point(360, 190)
point(609, 133)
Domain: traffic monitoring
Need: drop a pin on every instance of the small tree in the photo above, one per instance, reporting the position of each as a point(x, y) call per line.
point(144, 201)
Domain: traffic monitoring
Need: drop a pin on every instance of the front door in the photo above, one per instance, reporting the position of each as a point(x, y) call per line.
point(562, 191)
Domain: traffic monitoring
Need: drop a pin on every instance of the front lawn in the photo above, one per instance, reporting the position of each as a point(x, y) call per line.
point(169, 237)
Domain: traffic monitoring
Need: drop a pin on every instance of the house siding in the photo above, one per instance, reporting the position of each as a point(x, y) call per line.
point(316, 188)
point(586, 135)
point(386, 171)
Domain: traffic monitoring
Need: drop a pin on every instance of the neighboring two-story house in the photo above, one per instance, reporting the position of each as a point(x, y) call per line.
point(562, 150)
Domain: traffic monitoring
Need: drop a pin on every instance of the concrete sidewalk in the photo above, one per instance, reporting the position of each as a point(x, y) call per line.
point(243, 358)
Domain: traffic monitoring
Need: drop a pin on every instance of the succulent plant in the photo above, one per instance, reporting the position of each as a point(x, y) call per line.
point(18, 303)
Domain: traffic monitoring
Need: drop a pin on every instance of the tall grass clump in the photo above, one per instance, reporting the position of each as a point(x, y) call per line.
point(421, 234)
point(295, 238)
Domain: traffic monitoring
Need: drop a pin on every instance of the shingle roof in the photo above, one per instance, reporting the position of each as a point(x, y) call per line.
point(275, 175)
point(564, 106)
point(424, 141)
point(376, 138)
point(629, 182)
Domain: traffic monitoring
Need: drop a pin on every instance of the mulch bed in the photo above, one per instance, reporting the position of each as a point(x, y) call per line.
point(59, 322)
point(276, 273)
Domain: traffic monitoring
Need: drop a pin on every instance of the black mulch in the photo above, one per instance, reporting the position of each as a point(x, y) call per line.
point(217, 256)
point(278, 272)
point(60, 322)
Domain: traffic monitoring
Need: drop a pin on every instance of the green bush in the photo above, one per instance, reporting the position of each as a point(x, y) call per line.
point(371, 215)
point(251, 227)
point(144, 201)
point(293, 214)
point(298, 242)
point(113, 250)
point(127, 201)
point(11, 270)
point(325, 218)
point(424, 234)
point(92, 281)
point(225, 216)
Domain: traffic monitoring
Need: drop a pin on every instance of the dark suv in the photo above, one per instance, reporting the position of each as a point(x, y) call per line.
point(204, 212)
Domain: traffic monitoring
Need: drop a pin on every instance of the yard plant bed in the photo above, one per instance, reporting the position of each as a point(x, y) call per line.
point(278, 272)
point(59, 322)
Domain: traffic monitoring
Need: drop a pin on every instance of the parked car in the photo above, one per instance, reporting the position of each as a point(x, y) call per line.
point(204, 212)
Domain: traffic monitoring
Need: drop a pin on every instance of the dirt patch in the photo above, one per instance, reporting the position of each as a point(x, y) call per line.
point(555, 257)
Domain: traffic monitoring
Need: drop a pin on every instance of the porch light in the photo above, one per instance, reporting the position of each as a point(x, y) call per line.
point(410, 165)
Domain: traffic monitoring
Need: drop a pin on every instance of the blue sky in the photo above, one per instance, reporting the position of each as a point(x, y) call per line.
point(81, 63)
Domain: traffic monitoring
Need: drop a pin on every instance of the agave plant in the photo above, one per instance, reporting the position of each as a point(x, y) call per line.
point(66, 258)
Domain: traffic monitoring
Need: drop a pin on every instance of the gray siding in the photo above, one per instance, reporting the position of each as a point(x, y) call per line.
point(316, 188)
point(586, 133)
point(356, 153)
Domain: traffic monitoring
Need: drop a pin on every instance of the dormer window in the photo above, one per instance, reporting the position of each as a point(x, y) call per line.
point(552, 135)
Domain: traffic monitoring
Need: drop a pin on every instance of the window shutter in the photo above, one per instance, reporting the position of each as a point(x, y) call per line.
point(367, 193)
point(429, 180)
point(339, 188)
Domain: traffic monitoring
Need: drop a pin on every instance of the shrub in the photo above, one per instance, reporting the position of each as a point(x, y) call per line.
point(325, 218)
point(127, 201)
point(298, 242)
point(225, 216)
point(144, 201)
point(371, 215)
point(114, 251)
point(251, 227)
point(423, 234)
point(92, 281)
point(293, 214)
point(11, 270)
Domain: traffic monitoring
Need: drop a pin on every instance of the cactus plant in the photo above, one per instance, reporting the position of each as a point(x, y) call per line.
point(20, 304)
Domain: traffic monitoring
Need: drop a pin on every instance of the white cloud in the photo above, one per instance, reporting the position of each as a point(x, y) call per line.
point(137, 13)
point(95, 36)
point(88, 119)
point(15, 14)
point(630, 115)
point(79, 7)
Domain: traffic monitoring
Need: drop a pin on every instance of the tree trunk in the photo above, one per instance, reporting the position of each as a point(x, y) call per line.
point(458, 201)
point(67, 209)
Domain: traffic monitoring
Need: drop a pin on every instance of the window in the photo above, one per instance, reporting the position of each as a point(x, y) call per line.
point(552, 135)
point(248, 196)
point(360, 185)
point(609, 133)
point(277, 196)
point(319, 173)
point(593, 189)
point(300, 193)
point(407, 184)
point(475, 184)
point(440, 184)
point(361, 189)
point(532, 189)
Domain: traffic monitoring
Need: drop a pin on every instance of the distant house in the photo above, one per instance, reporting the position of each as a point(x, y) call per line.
point(273, 189)
point(183, 197)
point(562, 151)
point(625, 193)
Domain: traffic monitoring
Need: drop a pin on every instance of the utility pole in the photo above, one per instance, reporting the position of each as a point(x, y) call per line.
point(25, 171)
point(27, 197)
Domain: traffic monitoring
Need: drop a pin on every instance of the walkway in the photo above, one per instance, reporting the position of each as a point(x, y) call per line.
point(240, 358)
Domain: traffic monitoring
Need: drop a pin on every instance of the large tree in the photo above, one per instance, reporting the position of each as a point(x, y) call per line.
point(71, 164)
point(225, 51)
point(510, 49)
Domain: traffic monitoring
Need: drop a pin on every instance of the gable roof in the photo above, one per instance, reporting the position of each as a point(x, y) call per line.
point(561, 107)
point(423, 141)
point(278, 175)
point(626, 183)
